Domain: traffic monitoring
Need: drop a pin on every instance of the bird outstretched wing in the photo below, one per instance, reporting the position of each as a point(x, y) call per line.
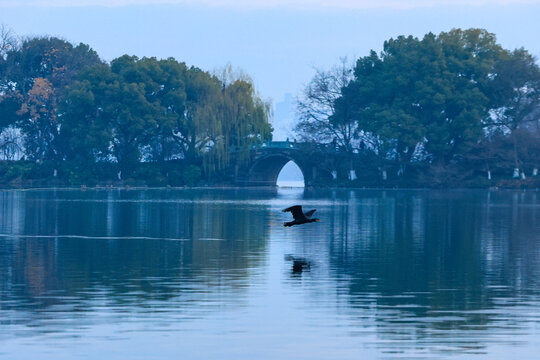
point(310, 213)
point(296, 212)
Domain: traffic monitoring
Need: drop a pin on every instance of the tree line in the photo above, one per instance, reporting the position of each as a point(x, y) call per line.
point(63, 108)
point(444, 109)
point(453, 109)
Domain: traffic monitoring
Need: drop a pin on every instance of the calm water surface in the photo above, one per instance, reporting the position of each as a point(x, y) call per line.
point(201, 274)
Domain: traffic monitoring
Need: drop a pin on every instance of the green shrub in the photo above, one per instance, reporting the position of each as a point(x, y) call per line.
point(16, 169)
point(191, 175)
point(150, 173)
point(175, 177)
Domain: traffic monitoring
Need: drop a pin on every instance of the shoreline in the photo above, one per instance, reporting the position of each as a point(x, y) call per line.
point(232, 187)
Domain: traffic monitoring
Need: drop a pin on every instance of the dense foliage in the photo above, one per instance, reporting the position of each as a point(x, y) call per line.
point(62, 106)
point(436, 110)
point(453, 109)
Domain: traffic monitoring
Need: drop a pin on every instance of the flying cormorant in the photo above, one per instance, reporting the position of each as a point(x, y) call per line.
point(299, 216)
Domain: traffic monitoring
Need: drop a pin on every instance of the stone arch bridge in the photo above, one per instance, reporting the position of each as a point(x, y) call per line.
point(319, 163)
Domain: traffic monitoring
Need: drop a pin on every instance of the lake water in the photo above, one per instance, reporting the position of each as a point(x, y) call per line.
point(202, 274)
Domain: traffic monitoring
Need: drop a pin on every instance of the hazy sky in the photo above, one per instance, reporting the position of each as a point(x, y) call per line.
point(278, 42)
point(265, 4)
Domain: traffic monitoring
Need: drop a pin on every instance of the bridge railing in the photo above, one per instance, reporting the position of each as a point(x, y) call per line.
point(278, 145)
point(328, 147)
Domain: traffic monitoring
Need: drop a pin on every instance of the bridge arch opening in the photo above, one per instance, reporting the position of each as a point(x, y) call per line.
point(265, 170)
point(290, 175)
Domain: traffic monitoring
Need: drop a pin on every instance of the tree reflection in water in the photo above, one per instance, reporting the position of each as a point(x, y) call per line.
point(441, 267)
point(124, 248)
point(402, 272)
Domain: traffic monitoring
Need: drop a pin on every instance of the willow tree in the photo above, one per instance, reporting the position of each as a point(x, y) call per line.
point(221, 116)
point(197, 123)
point(244, 122)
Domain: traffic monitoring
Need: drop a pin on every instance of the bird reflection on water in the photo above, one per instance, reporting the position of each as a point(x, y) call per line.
point(299, 264)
